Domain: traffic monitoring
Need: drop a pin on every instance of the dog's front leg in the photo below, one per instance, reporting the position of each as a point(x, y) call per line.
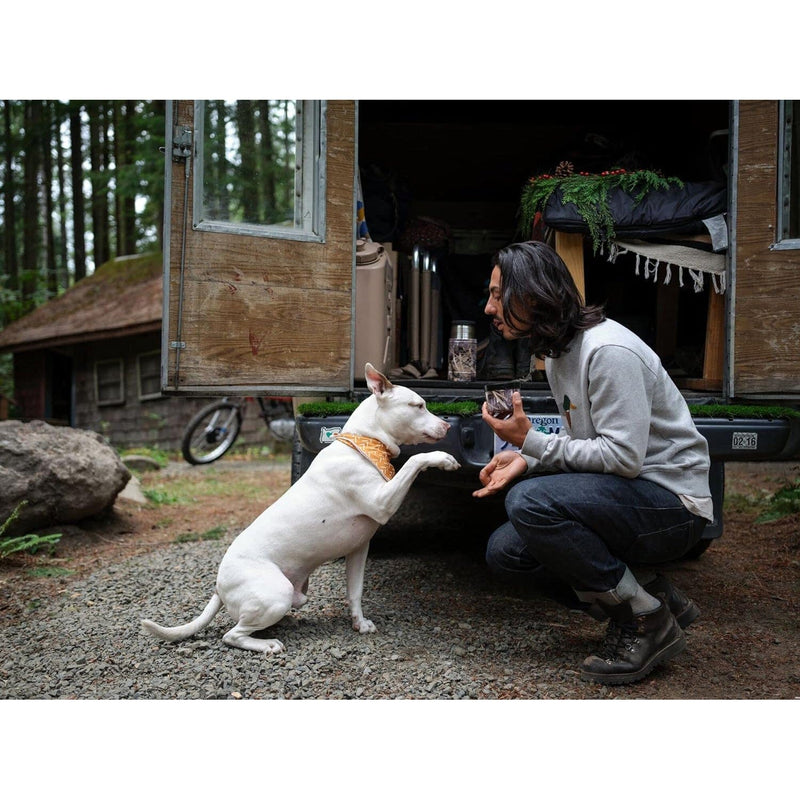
point(354, 573)
point(391, 494)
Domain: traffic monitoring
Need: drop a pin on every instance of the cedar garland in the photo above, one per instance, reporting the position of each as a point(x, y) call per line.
point(590, 193)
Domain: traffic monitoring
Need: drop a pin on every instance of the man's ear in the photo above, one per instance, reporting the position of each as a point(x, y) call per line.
point(378, 383)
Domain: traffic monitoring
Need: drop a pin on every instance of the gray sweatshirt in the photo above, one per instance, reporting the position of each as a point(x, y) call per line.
point(623, 415)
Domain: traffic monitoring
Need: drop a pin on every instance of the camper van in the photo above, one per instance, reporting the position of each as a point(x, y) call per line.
point(304, 238)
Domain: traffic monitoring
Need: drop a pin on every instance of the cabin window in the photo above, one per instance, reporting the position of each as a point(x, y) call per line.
point(789, 176)
point(149, 369)
point(260, 168)
point(109, 380)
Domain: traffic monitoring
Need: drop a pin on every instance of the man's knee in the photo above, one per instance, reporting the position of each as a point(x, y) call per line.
point(529, 504)
point(506, 552)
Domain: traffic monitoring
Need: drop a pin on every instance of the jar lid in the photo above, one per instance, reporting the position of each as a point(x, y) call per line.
point(462, 329)
point(367, 252)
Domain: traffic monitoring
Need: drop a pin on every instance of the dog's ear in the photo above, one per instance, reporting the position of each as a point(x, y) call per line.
point(378, 383)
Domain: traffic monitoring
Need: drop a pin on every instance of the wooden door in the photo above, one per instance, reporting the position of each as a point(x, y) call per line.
point(764, 332)
point(259, 308)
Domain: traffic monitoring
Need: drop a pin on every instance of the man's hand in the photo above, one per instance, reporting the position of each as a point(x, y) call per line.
point(514, 429)
point(500, 471)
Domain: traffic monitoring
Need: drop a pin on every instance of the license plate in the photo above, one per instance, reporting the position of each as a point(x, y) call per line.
point(745, 441)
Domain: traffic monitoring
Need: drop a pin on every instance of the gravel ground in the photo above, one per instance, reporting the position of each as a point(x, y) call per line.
point(443, 632)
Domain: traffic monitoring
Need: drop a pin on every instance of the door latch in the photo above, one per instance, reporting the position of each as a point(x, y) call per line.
point(181, 143)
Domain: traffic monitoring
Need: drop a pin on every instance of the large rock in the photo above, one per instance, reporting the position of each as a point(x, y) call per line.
point(65, 474)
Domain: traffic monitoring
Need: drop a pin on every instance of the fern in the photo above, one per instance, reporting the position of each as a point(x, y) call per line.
point(590, 194)
point(14, 515)
point(30, 543)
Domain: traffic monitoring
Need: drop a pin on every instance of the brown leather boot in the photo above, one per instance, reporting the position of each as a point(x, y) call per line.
point(682, 607)
point(634, 645)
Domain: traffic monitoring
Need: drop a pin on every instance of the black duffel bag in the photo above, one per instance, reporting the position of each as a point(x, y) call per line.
point(673, 210)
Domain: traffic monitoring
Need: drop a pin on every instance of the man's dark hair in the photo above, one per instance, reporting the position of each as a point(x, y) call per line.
point(540, 298)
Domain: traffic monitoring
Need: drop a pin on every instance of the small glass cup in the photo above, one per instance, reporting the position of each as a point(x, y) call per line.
point(500, 402)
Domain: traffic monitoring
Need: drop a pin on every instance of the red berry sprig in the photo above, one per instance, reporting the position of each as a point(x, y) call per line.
point(604, 174)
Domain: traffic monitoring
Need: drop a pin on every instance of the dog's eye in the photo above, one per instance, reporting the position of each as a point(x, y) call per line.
point(417, 405)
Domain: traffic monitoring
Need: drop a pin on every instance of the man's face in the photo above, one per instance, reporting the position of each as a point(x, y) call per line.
point(494, 307)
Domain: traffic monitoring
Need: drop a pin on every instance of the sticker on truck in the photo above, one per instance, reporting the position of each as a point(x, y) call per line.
point(326, 435)
point(541, 422)
point(744, 441)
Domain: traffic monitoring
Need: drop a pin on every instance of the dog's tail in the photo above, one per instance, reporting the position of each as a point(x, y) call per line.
point(180, 632)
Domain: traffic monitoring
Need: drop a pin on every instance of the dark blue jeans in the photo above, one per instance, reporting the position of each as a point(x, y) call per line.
point(578, 531)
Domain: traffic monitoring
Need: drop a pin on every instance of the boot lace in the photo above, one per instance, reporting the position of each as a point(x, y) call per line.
point(618, 639)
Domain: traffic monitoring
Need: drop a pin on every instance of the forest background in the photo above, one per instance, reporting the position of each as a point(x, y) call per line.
point(82, 182)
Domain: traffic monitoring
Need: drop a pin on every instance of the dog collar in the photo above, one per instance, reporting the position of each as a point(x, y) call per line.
point(375, 451)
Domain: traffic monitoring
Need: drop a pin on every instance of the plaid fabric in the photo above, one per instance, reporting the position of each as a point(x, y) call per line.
point(376, 452)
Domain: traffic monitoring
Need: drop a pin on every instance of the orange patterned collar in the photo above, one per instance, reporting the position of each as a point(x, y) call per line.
point(375, 451)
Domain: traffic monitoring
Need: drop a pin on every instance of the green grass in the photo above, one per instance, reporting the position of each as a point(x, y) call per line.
point(161, 497)
point(768, 507)
point(468, 407)
point(182, 489)
point(783, 503)
point(721, 411)
point(161, 457)
point(213, 534)
point(463, 409)
point(49, 572)
point(745, 503)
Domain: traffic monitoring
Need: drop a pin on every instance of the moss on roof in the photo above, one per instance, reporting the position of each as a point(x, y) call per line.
point(122, 293)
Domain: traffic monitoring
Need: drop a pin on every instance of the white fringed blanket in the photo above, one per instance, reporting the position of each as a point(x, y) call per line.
point(652, 256)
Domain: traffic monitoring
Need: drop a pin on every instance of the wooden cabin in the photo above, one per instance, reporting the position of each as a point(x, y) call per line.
point(91, 358)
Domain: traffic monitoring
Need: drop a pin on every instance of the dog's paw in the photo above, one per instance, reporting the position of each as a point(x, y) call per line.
point(364, 626)
point(446, 462)
point(273, 646)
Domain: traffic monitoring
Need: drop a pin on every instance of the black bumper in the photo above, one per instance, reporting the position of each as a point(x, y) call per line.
point(471, 442)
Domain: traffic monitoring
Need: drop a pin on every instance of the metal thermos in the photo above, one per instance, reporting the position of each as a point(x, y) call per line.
point(462, 351)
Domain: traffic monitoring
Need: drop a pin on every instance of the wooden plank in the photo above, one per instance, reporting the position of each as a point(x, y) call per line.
point(570, 247)
point(714, 353)
point(666, 319)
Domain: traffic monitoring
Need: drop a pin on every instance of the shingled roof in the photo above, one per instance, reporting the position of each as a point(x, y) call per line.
point(121, 298)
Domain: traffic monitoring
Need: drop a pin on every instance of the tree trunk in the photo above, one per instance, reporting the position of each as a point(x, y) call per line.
point(249, 170)
point(51, 275)
point(63, 256)
point(218, 178)
point(267, 153)
point(9, 208)
point(107, 145)
point(160, 113)
point(119, 174)
point(78, 204)
point(30, 205)
point(99, 182)
point(124, 158)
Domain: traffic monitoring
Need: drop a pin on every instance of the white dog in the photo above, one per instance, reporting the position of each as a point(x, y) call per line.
point(333, 510)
